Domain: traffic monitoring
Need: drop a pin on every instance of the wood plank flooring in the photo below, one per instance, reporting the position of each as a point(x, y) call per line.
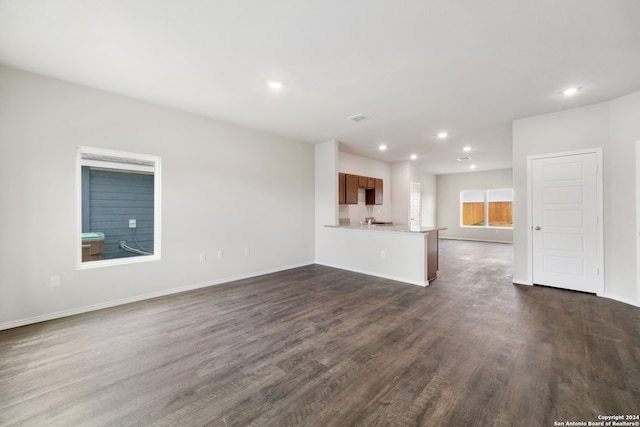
point(316, 346)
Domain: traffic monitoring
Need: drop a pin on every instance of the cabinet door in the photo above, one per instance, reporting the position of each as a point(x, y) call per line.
point(362, 181)
point(341, 188)
point(351, 190)
point(371, 183)
point(374, 194)
point(378, 191)
point(431, 250)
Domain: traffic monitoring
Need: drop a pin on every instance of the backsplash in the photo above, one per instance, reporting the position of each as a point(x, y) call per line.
point(357, 213)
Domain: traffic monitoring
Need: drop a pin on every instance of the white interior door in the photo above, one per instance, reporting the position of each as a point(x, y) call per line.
point(565, 221)
point(414, 205)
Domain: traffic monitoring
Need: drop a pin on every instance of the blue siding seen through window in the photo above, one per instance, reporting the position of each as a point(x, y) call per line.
point(114, 198)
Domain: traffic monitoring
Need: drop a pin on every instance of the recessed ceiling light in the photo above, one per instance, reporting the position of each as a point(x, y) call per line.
point(414, 156)
point(466, 149)
point(274, 85)
point(472, 167)
point(570, 91)
point(382, 147)
point(443, 135)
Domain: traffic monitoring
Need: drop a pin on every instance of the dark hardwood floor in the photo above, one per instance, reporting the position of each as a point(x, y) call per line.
point(316, 346)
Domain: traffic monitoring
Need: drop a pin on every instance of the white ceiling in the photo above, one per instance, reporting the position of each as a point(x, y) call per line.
point(414, 67)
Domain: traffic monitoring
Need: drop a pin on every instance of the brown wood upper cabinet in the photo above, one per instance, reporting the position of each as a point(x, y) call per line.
point(348, 189)
point(378, 190)
point(374, 195)
point(351, 189)
point(362, 182)
point(371, 182)
point(366, 182)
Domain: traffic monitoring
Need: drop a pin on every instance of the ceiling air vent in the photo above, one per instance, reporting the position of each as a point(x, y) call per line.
point(462, 159)
point(358, 117)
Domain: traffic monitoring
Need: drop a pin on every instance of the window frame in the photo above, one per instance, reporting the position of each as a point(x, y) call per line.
point(128, 167)
point(484, 208)
point(487, 208)
point(486, 202)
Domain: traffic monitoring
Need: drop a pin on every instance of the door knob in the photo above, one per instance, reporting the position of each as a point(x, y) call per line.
point(537, 228)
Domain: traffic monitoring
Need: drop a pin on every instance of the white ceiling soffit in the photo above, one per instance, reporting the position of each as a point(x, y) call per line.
point(413, 68)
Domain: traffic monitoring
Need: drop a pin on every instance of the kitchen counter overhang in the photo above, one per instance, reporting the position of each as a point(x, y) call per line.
point(384, 227)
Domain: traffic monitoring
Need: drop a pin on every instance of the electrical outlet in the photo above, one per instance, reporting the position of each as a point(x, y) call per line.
point(54, 281)
point(247, 252)
point(132, 223)
point(220, 254)
point(203, 257)
point(383, 254)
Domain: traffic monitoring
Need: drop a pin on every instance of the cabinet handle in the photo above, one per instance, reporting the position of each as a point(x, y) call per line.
point(537, 228)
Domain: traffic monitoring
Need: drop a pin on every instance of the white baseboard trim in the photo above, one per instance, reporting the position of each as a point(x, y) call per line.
point(165, 292)
point(475, 240)
point(370, 273)
point(609, 296)
point(622, 299)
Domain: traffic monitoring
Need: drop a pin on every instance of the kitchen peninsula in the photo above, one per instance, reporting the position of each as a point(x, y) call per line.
point(391, 251)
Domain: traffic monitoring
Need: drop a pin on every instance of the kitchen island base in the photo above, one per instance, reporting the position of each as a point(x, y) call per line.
point(390, 252)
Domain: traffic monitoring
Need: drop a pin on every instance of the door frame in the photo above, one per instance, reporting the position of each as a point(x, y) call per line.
point(599, 207)
point(419, 219)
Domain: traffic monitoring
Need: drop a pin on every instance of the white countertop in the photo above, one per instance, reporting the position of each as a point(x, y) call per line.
point(402, 228)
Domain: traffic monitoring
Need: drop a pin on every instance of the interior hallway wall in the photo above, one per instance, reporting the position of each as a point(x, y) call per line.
point(402, 175)
point(429, 193)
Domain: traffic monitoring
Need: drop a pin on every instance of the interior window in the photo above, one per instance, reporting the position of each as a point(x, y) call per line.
point(486, 208)
point(472, 208)
point(499, 206)
point(119, 207)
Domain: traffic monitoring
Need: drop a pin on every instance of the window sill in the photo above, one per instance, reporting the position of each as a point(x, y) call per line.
point(87, 265)
point(482, 227)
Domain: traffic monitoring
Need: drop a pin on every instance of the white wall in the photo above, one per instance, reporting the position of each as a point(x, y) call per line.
point(448, 205)
point(223, 188)
point(402, 174)
point(619, 195)
point(615, 127)
point(357, 165)
point(326, 193)
point(428, 198)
